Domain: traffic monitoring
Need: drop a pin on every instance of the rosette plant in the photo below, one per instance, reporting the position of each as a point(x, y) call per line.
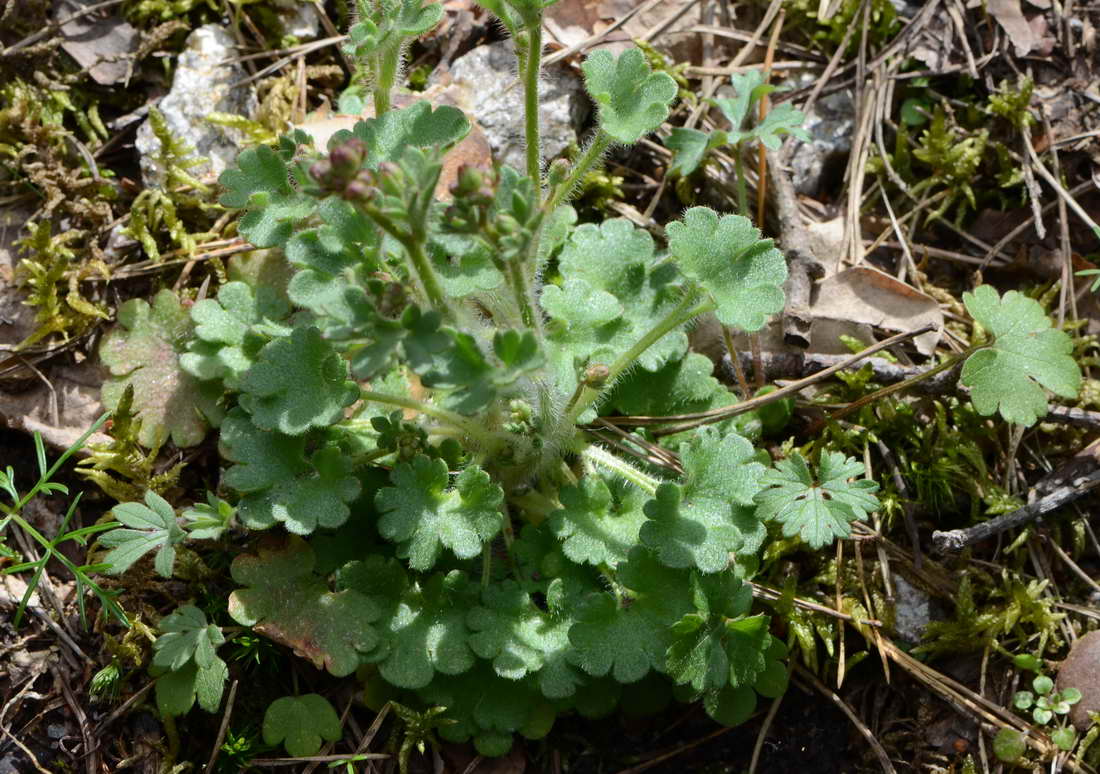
point(413, 427)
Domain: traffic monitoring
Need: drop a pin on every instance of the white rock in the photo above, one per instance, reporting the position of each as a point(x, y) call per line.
point(490, 73)
point(203, 84)
point(912, 612)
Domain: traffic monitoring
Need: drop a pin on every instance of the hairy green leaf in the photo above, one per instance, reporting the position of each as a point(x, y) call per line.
point(280, 484)
point(598, 523)
point(261, 183)
point(285, 601)
point(301, 723)
point(632, 100)
point(424, 515)
point(297, 383)
point(700, 523)
point(743, 273)
point(1027, 355)
point(817, 509)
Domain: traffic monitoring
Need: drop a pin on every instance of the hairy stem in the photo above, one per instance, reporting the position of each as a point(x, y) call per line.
point(604, 459)
point(531, 64)
point(684, 311)
point(386, 64)
point(592, 154)
point(742, 185)
point(487, 437)
point(422, 267)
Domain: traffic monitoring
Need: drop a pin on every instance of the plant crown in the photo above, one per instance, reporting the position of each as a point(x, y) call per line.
point(412, 421)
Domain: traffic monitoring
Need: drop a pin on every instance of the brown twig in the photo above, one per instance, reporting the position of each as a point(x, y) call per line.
point(957, 539)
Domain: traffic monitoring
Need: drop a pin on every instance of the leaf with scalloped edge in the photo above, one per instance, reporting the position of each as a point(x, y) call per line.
point(297, 383)
point(176, 691)
point(520, 639)
point(632, 99)
point(285, 601)
point(701, 522)
point(422, 625)
point(144, 350)
point(301, 723)
point(229, 331)
point(417, 126)
point(490, 709)
point(1027, 355)
point(599, 521)
point(817, 508)
point(260, 183)
point(280, 483)
point(425, 515)
point(743, 273)
point(629, 637)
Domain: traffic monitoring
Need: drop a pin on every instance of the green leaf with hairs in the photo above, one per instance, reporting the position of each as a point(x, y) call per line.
point(817, 508)
point(301, 723)
point(632, 99)
point(261, 184)
point(424, 515)
point(1027, 354)
point(743, 273)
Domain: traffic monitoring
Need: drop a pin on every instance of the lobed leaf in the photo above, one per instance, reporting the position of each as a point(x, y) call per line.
point(261, 184)
point(280, 484)
point(424, 516)
point(595, 527)
point(821, 509)
point(186, 636)
point(743, 273)
point(1027, 355)
point(285, 601)
point(144, 350)
point(153, 528)
point(700, 523)
point(301, 723)
point(297, 383)
point(632, 100)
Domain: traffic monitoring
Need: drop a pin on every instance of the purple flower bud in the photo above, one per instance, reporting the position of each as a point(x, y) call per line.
point(321, 171)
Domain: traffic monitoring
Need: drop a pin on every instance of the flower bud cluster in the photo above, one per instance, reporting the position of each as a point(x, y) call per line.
point(471, 197)
point(342, 173)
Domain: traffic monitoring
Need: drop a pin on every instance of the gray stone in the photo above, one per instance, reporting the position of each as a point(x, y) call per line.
point(300, 20)
point(203, 84)
point(830, 125)
point(497, 102)
point(912, 610)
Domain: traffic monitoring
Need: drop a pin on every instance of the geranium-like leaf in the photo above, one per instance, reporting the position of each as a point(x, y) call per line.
point(301, 723)
point(820, 509)
point(144, 350)
point(405, 19)
point(424, 515)
point(629, 638)
point(422, 627)
point(613, 292)
point(489, 710)
point(748, 87)
point(632, 99)
point(598, 528)
point(689, 147)
point(719, 645)
point(280, 484)
point(152, 527)
point(701, 522)
point(177, 690)
point(261, 183)
point(780, 120)
point(287, 602)
point(418, 126)
point(187, 635)
point(519, 639)
point(1027, 355)
point(743, 273)
point(297, 383)
point(222, 327)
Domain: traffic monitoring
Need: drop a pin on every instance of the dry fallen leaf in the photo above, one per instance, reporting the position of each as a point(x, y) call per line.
point(1012, 20)
point(847, 302)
